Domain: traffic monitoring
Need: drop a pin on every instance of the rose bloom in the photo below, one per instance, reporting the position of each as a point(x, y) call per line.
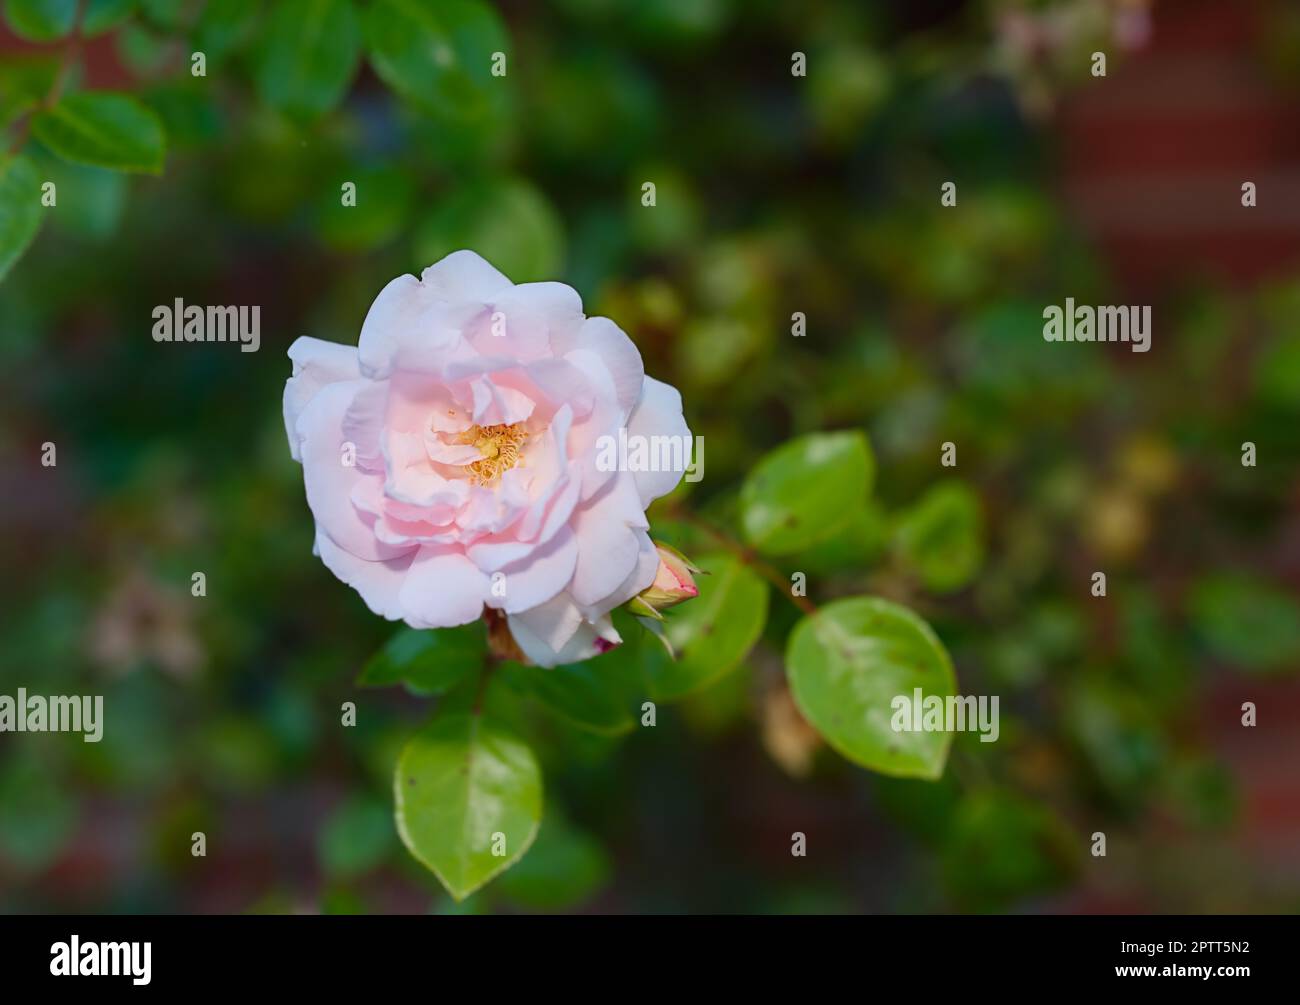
point(450, 457)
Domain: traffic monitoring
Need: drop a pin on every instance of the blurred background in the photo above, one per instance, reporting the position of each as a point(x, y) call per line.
point(776, 194)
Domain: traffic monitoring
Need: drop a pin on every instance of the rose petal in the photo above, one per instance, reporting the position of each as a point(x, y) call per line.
point(496, 404)
point(518, 322)
point(608, 544)
point(538, 577)
point(315, 364)
point(464, 275)
point(363, 425)
point(328, 480)
point(640, 578)
point(443, 588)
point(492, 510)
point(379, 583)
point(555, 633)
point(617, 353)
point(411, 478)
point(659, 413)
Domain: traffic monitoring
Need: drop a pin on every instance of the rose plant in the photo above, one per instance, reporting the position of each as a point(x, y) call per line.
point(450, 458)
point(451, 465)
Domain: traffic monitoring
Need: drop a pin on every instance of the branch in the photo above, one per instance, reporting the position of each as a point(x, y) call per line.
point(747, 555)
point(71, 50)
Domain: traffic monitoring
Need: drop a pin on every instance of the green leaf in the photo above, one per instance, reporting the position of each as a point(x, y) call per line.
point(854, 546)
point(941, 538)
point(507, 222)
point(40, 20)
point(90, 199)
point(437, 53)
point(145, 51)
point(711, 633)
point(805, 491)
point(103, 130)
point(1000, 846)
point(849, 661)
point(592, 695)
point(224, 25)
point(169, 14)
point(428, 661)
point(1247, 622)
point(1120, 736)
point(564, 868)
point(1277, 372)
point(21, 212)
point(104, 15)
point(458, 783)
point(356, 838)
point(40, 815)
point(384, 198)
point(189, 113)
point(23, 83)
point(308, 56)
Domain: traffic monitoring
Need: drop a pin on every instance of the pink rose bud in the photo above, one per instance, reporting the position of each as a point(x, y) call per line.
point(674, 582)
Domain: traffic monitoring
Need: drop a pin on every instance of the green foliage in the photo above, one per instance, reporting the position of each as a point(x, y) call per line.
point(38, 816)
point(1246, 622)
point(356, 838)
point(20, 208)
point(1118, 736)
point(105, 15)
point(1003, 846)
point(855, 546)
point(437, 53)
point(384, 201)
point(143, 49)
point(103, 130)
point(712, 633)
point(168, 14)
point(596, 694)
point(90, 199)
point(817, 195)
point(428, 662)
point(849, 661)
point(940, 537)
point(23, 83)
point(40, 20)
point(465, 787)
point(309, 50)
point(507, 221)
point(564, 868)
point(806, 490)
point(223, 26)
point(1277, 373)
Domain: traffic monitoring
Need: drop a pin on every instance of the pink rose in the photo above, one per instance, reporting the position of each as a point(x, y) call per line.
point(451, 458)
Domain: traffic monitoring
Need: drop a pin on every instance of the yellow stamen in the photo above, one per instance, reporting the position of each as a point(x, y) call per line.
point(500, 447)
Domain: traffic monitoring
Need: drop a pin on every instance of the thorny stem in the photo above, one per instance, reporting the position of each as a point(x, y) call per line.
point(746, 555)
point(71, 51)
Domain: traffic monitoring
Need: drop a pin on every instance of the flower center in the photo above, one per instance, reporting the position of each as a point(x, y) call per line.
point(500, 448)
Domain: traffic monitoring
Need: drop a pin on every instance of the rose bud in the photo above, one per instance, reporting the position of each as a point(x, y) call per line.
point(674, 582)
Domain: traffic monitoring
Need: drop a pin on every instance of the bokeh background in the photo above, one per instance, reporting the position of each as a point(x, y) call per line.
point(775, 194)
